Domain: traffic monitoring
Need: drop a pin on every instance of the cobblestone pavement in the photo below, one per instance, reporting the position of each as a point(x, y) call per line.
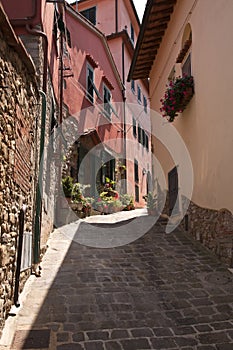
point(163, 291)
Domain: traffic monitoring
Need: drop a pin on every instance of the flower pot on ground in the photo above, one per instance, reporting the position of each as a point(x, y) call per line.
point(77, 206)
point(67, 185)
point(127, 201)
point(151, 203)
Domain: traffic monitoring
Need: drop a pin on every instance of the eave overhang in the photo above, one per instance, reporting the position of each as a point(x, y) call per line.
point(154, 24)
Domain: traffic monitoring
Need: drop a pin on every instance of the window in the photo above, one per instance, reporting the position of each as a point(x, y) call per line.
point(147, 142)
point(143, 138)
point(131, 33)
point(91, 88)
point(134, 127)
point(107, 104)
point(133, 86)
point(90, 83)
point(145, 103)
point(186, 68)
point(136, 193)
point(136, 177)
point(139, 133)
point(90, 14)
point(139, 94)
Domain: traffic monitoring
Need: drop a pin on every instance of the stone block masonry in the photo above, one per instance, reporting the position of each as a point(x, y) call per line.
point(214, 229)
point(19, 99)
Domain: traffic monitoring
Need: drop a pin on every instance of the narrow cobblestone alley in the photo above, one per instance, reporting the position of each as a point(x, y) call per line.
point(163, 291)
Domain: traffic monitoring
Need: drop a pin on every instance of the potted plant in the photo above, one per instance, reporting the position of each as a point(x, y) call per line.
point(99, 205)
point(77, 197)
point(127, 201)
point(178, 94)
point(67, 185)
point(151, 201)
point(117, 206)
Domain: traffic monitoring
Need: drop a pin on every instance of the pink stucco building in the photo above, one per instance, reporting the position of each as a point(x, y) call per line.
point(121, 29)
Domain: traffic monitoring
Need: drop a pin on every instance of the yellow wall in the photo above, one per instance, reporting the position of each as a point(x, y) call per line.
point(207, 123)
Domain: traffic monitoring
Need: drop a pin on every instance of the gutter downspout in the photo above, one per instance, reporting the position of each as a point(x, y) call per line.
point(36, 32)
point(39, 187)
point(124, 112)
point(116, 15)
point(59, 175)
point(19, 255)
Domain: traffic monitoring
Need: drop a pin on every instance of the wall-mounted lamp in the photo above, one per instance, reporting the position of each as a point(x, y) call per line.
point(143, 171)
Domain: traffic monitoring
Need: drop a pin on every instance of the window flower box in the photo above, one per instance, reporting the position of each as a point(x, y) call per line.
point(177, 96)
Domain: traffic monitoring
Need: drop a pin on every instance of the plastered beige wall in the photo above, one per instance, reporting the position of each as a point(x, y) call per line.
point(207, 124)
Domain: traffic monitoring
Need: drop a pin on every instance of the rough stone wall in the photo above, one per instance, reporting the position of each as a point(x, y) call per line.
point(18, 110)
point(34, 46)
point(213, 228)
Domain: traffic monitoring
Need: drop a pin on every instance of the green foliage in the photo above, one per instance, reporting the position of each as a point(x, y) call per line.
point(67, 184)
point(126, 199)
point(151, 200)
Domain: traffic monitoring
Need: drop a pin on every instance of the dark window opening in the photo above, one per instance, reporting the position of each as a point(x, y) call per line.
point(131, 33)
point(68, 37)
point(147, 142)
point(143, 138)
point(139, 94)
point(136, 175)
point(136, 193)
point(108, 170)
point(134, 127)
point(90, 14)
point(133, 86)
point(186, 68)
point(145, 103)
point(139, 134)
point(90, 84)
point(107, 104)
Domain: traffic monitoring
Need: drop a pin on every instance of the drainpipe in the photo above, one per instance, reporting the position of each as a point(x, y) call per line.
point(19, 255)
point(39, 188)
point(59, 175)
point(124, 111)
point(116, 15)
point(36, 32)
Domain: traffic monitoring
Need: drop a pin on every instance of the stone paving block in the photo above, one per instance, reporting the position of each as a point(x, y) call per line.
point(225, 346)
point(33, 339)
point(78, 337)
point(113, 345)
point(186, 321)
point(142, 332)
point(183, 330)
point(203, 328)
point(222, 325)
point(98, 335)
point(214, 338)
point(119, 334)
point(185, 341)
point(162, 332)
point(95, 345)
point(62, 337)
point(70, 346)
point(135, 344)
point(163, 343)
